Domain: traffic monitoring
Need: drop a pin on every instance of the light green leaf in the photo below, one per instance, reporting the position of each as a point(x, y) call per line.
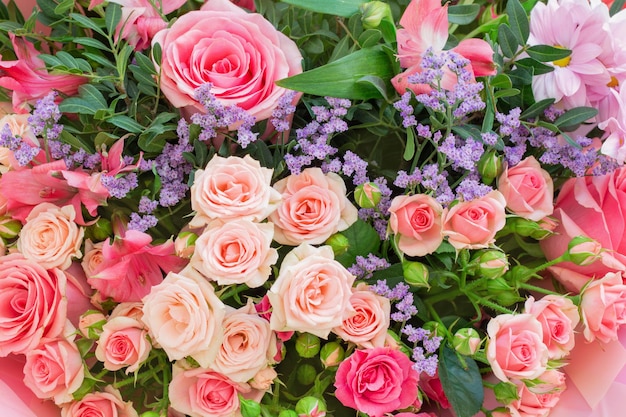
point(343, 8)
point(112, 16)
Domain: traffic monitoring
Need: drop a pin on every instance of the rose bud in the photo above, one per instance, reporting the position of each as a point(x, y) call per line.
point(466, 341)
point(9, 228)
point(583, 251)
point(490, 166)
point(306, 374)
point(339, 243)
point(249, 408)
point(332, 354)
point(491, 263)
point(184, 245)
point(415, 274)
point(367, 195)
point(287, 413)
point(310, 407)
point(307, 345)
point(373, 13)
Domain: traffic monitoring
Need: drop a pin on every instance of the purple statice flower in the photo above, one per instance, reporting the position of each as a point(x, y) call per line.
point(424, 131)
point(404, 180)
point(43, 120)
point(400, 296)
point(296, 163)
point(514, 154)
point(437, 182)
point(356, 167)
point(489, 138)
point(426, 364)
point(59, 150)
point(364, 267)
point(142, 223)
point(462, 153)
point(120, 186)
point(334, 165)
point(378, 215)
point(8, 140)
point(26, 153)
point(146, 205)
point(406, 110)
point(415, 334)
point(508, 122)
point(552, 113)
point(470, 189)
point(284, 109)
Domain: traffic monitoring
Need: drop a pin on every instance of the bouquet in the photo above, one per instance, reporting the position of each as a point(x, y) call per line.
point(308, 207)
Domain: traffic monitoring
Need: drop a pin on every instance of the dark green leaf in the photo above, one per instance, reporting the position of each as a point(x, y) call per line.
point(547, 53)
point(145, 63)
point(127, 123)
point(112, 16)
point(467, 131)
point(575, 116)
point(463, 14)
point(501, 81)
point(99, 59)
point(87, 23)
point(362, 240)
point(520, 76)
point(518, 20)
point(536, 108)
point(461, 382)
point(507, 40)
point(9, 26)
point(343, 8)
point(91, 93)
point(392, 275)
point(369, 38)
point(537, 67)
point(67, 137)
point(510, 92)
point(77, 105)
point(93, 43)
point(617, 6)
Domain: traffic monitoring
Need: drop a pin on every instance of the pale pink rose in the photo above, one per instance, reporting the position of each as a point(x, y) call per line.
point(376, 381)
point(133, 309)
point(538, 401)
point(185, 317)
point(417, 220)
point(367, 328)
point(101, 404)
point(248, 346)
point(232, 188)
point(558, 317)
point(314, 207)
point(93, 258)
point(33, 304)
point(264, 379)
point(90, 322)
point(474, 224)
point(235, 252)
point(515, 347)
point(241, 54)
point(527, 189)
point(54, 370)
point(51, 236)
point(312, 292)
point(123, 343)
point(603, 307)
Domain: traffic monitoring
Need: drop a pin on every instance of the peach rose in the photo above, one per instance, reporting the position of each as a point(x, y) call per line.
point(264, 379)
point(540, 399)
point(603, 307)
point(232, 188)
point(51, 237)
point(54, 370)
point(417, 221)
point(474, 224)
point(314, 207)
point(33, 304)
point(312, 292)
point(102, 404)
point(185, 316)
point(527, 189)
point(236, 252)
point(123, 343)
point(248, 345)
point(367, 328)
point(241, 54)
point(558, 317)
point(515, 347)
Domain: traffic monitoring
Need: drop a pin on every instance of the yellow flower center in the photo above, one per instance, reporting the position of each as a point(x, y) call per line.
point(563, 62)
point(613, 83)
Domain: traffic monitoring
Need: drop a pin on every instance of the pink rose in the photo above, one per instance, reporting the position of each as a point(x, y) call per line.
point(474, 224)
point(51, 237)
point(538, 400)
point(264, 308)
point(603, 307)
point(515, 347)
point(232, 188)
point(101, 404)
point(93, 258)
point(235, 252)
point(527, 189)
point(367, 328)
point(241, 54)
point(33, 304)
point(431, 385)
point(417, 220)
point(376, 381)
point(590, 206)
point(123, 343)
point(314, 207)
point(558, 317)
point(185, 317)
point(248, 346)
point(312, 292)
point(246, 4)
point(54, 370)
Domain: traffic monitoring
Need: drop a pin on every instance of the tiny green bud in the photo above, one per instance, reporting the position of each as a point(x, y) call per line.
point(490, 166)
point(367, 195)
point(100, 230)
point(583, 251)
point(373, 13)
point(185, 244)
point(491, 263)
point(9, 228)
point(339, 243)
point(307, 345)
point(332, 354)
point(306, 374)
point(466, 341)
point(287, 413)
point(415, 274)
point(310, 407)
point(249, 408)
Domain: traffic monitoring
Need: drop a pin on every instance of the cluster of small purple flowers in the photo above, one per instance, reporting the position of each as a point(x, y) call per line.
point(145, 220)
point(23, 152)
point(462, 153)
point(43, 120)
point(364, 267)
point(284, 109)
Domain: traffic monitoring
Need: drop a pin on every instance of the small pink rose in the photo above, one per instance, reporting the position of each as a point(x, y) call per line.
point(539, 400)
point(108, 403)
point(603, 307)
point(558, 317)
point(123, 343)
point(417, 220)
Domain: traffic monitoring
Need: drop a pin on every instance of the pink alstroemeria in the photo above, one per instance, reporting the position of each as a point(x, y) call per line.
point(112, 161)
point(131, 266)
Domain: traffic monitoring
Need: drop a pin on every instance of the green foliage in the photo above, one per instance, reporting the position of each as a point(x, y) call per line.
point(461, 382)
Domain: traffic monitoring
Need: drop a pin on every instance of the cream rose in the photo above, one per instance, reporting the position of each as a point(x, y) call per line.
point(123, 343)
point(93, 258)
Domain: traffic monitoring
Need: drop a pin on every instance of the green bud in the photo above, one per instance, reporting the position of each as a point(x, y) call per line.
point(9, 228)
point(185, 244)
point(100, 230)
point(339, 243)
point(287, 413)
point(332, 354)
point(367, 195)
point(306, 374)
point(415, 274)
point(373, 13)
point(307, 345)
point(436, 328)
point(490, 166)
point(490, 263)
point(149, 414)
point(310, 406)
point(527, 228)
point(249, 408)
point(583, 251)
point(466, 341)
point(502, 292)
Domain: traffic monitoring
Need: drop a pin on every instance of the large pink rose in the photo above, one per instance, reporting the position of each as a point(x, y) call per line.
point(184, 316)
point(376, 381)
point(314, 207)
point(417, 220)
point(591, 206)
point(312, 292)
point(474, 224)
point(32, 304)
point(515, 347)
point(527, 189)
point(241, 54)
point(603, 307)
point(123, 343)
point(108, 403)
point(232, 188)
point(558, 317)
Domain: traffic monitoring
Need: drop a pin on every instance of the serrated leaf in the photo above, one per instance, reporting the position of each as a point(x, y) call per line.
point(112, 16)
point(461, 382)
point(537, 108)
point(518, 20)
point(575, 116)
point(507, 41)
point(343, 8)
point(127, 123)
point(463, 14)
point(547, 53)
point(93, 43)
point(362, 240)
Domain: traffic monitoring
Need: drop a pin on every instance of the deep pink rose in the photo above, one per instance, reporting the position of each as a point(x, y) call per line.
point(241, 54)
point(417, 220)
point(100, 404)
point(558, 317)
point(431, 385)
point(376, 381)
point(32, 304)
point(246, 4)
point(527, 189)
point(603, 307)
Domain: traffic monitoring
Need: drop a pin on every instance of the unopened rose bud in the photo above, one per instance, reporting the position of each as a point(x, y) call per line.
point(415, 274)
point(264, 379)
point(435, 328)
point(332, 354)
point(287, 413)
point(583, 251)
point(249, 408)
point(307, 345)
point(339, 243)
point(185, 244)
point(310, 407)
point(90, 324)
point(491, 263)
point(373, 13)
point(490, 166)
point(306, 374)
point(9, 227)
point(466, 341)
point(100, 230)
point(367, 195)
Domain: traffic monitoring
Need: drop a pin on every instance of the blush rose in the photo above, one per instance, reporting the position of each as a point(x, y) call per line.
point(107, 403)
point(417, 221)
point(539, 400)
point(123, 343)
point(558, 317)
point(603, 307)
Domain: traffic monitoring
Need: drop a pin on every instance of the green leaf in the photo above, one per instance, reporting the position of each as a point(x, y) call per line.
point(127, 123)
point(377, 82)
point(77, 105)
point(507, 40)
point(537, 108)
point(409, 149)
point(518, 20)
point(64, 7)
point(93, 43)
point(112, 16)
point(343, 8)
point(91, 93)
point(392, 275)
point(9, 26)
point(369, 38)
point(99, 59)
point(547, 53)
point(461, 382)
point(87, 23)
point(463, 14)
point(537, 67)
point(501, 81)
point(520, 76)
point(510, 92)
point(616, 7)
point(362, 240)
point(341, 78)
point(468, 131)
point(575, 116)
point(67, 137)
